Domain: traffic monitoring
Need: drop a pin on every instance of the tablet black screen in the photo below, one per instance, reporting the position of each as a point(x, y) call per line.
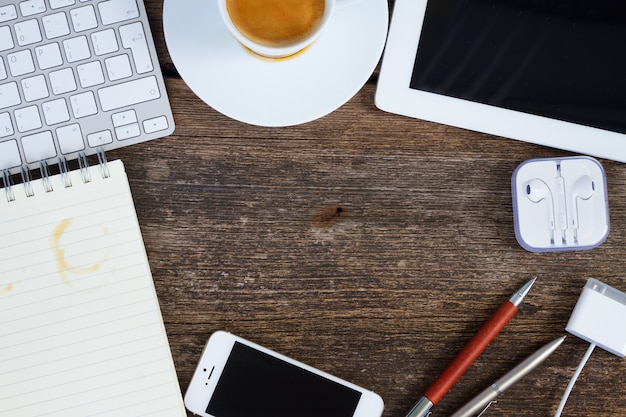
point(560, 59)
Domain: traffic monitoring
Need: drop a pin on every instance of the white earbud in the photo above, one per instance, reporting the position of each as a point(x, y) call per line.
point(583, 189)
point(537, 191)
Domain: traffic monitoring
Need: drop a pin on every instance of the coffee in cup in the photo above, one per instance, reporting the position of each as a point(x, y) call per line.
point(276, 28)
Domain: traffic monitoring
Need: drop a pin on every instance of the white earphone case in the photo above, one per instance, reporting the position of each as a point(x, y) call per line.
point(560, 204)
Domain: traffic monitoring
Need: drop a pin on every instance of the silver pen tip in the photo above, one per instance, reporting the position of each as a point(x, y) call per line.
point(520, 294)
point(560, 340)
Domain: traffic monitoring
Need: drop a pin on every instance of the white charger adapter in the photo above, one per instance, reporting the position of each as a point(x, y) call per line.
point(598, 318)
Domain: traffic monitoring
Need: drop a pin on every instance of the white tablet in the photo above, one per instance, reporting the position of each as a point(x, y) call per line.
point(549, 72)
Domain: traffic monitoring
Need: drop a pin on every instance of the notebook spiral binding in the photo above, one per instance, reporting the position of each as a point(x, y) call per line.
point(63, 172)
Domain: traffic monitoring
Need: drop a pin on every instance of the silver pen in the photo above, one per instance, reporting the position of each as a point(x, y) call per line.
point(485, 398)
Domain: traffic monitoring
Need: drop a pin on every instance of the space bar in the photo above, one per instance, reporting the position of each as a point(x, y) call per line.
point(129, 93)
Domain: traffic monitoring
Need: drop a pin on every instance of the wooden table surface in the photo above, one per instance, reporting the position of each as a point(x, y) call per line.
point(366, 244)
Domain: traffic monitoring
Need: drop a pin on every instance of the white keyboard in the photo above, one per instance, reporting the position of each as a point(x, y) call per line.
point(75, 76)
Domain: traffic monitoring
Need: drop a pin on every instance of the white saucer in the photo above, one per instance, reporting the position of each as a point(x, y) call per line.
point(282, 92)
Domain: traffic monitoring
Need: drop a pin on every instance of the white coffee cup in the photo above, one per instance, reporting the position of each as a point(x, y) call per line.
point(276, 28)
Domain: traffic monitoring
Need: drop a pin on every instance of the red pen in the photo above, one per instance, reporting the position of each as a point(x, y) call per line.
point(487, 332)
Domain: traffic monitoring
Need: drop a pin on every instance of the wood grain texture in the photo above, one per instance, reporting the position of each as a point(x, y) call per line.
point(369, 245)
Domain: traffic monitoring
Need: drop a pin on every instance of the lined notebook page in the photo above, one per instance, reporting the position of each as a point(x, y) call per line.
point(81, 332)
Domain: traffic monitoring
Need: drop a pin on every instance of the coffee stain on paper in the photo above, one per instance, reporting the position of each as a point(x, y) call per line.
point(8, 288)
point(64, 268)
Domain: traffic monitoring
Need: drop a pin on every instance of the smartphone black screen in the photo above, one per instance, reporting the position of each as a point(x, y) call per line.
point(255, 384)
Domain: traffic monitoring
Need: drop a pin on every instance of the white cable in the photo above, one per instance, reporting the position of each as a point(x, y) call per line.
point(572, 381)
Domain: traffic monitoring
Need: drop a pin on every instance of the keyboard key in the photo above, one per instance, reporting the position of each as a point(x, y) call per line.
point(70, 139)
point(6, 39)
point(118, 67)
point(6, 127)
point(27, 119)
point(35, 88)
point(57, 4)
point(76, 49)
point(124, 118)
point(38, 146)
point(104, 42)
point(27, 32)
point(90, 74)
point(32, 7)
point(8, 13)
point(114, 11)
point(156, 124)
point(55, 25)
point(83, 104)
point(21, 63)
point(55, 112)
point(129, 93)
point(83, 18)
point(48, 56)
point(3, 70)
point(99, 138)
point(134, 38)
point(9, 95)
point(128, 131)
point(9, 155)
point(62, 81)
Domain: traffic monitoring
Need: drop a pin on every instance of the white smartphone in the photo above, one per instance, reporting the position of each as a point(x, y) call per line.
point(236, 378)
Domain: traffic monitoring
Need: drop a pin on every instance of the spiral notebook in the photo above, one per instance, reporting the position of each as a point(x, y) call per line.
point(81, 331)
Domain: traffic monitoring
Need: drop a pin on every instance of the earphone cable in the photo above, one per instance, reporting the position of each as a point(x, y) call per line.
point(572, 381)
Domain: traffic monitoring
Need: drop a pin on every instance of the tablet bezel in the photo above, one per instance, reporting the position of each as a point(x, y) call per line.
point(394, 95)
